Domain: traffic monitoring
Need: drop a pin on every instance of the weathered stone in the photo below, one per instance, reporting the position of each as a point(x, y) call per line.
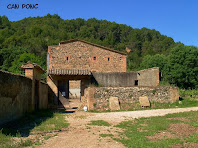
point(144, 102)
point(20, 95)
point(77, 54)
point(114, 103)
point(174, 94)
point(130, 95)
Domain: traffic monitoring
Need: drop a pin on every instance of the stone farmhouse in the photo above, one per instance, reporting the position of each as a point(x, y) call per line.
point(89, 63)
point(76, 60)
point(96, 75)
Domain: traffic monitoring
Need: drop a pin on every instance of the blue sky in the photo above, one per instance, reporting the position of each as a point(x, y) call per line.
point(175, 18)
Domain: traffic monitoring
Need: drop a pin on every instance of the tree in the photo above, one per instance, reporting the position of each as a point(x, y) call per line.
point(24, 58)
point(157, 60)
point(182, 67)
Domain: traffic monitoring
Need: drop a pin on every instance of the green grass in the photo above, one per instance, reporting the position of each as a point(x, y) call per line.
point(34, 123)
point(5, 141)
point(106, 135)
point(134, 137)
point(188, 93)
point(57, 122)
point(99, 123)
point(47, 137)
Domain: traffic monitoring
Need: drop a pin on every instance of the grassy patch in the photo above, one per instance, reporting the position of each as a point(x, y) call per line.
point(138, 130)
point(47, 137)
point(38, 122)
point(80, 116)
point(188, 93)
point(25, 143)
point(5, 141)
point(106, 135)
point(99, 123)
point(57, 122)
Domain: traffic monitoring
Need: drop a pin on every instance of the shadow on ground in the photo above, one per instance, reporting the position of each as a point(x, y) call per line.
point(24, 125)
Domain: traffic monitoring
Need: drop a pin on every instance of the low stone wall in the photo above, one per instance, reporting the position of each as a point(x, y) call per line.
point(98, 97)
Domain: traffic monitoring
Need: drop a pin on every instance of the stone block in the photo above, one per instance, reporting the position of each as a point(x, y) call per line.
point(174, 94)
point(114, 103)
point(144, 102)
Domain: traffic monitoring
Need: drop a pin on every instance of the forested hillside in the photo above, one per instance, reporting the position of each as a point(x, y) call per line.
point(29, 38)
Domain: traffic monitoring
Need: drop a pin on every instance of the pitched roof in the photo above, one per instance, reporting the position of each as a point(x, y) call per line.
point(30, 65)
point(75, 40)
point(69, 71)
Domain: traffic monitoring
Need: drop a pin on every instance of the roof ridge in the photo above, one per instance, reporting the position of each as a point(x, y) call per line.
point(74, 40)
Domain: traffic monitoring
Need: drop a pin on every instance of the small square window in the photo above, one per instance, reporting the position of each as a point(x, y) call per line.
point(67, 58)
point(94, 58)
point(108, 58)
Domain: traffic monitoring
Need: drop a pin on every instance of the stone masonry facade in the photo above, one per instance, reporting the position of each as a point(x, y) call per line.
point(83, 55)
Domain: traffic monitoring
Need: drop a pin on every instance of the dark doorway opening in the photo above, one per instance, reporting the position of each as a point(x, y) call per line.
point(63, 88)
point(136, 82)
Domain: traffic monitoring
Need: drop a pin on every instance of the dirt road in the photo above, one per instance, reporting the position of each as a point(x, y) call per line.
point(82, 135)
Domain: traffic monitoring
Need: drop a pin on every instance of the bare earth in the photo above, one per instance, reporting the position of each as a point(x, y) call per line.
point(82, 135)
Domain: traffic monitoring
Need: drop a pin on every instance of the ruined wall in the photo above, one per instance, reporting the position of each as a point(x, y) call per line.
point(148, 77)
point(80, 55)
point(98, 97)
point(15, 96)
point(115, 79)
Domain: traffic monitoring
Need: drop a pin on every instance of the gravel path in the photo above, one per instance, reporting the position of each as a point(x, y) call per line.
point(82, 135)
point(127, 115)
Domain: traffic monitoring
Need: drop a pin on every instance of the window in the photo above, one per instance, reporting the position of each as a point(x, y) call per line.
point(67, 58)
point(94, 58)
point(120, 58)
point(108, 58)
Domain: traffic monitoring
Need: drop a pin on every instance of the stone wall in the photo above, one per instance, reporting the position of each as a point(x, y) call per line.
point(74, 84)
point(98, 97)
point(82, 55)
point(17, 96)
point(148, 77)
point(43, 98)
point(115, 79)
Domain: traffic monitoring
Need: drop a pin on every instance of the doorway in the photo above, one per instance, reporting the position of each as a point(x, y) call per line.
point(74, 89)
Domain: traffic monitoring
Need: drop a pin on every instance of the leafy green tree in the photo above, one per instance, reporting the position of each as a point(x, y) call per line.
point(24, 58)
point(157, 60)
point(182, 68)
point(8, 55)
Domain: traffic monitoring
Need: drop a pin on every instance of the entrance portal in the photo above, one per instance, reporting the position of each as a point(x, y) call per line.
point(74, 89)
